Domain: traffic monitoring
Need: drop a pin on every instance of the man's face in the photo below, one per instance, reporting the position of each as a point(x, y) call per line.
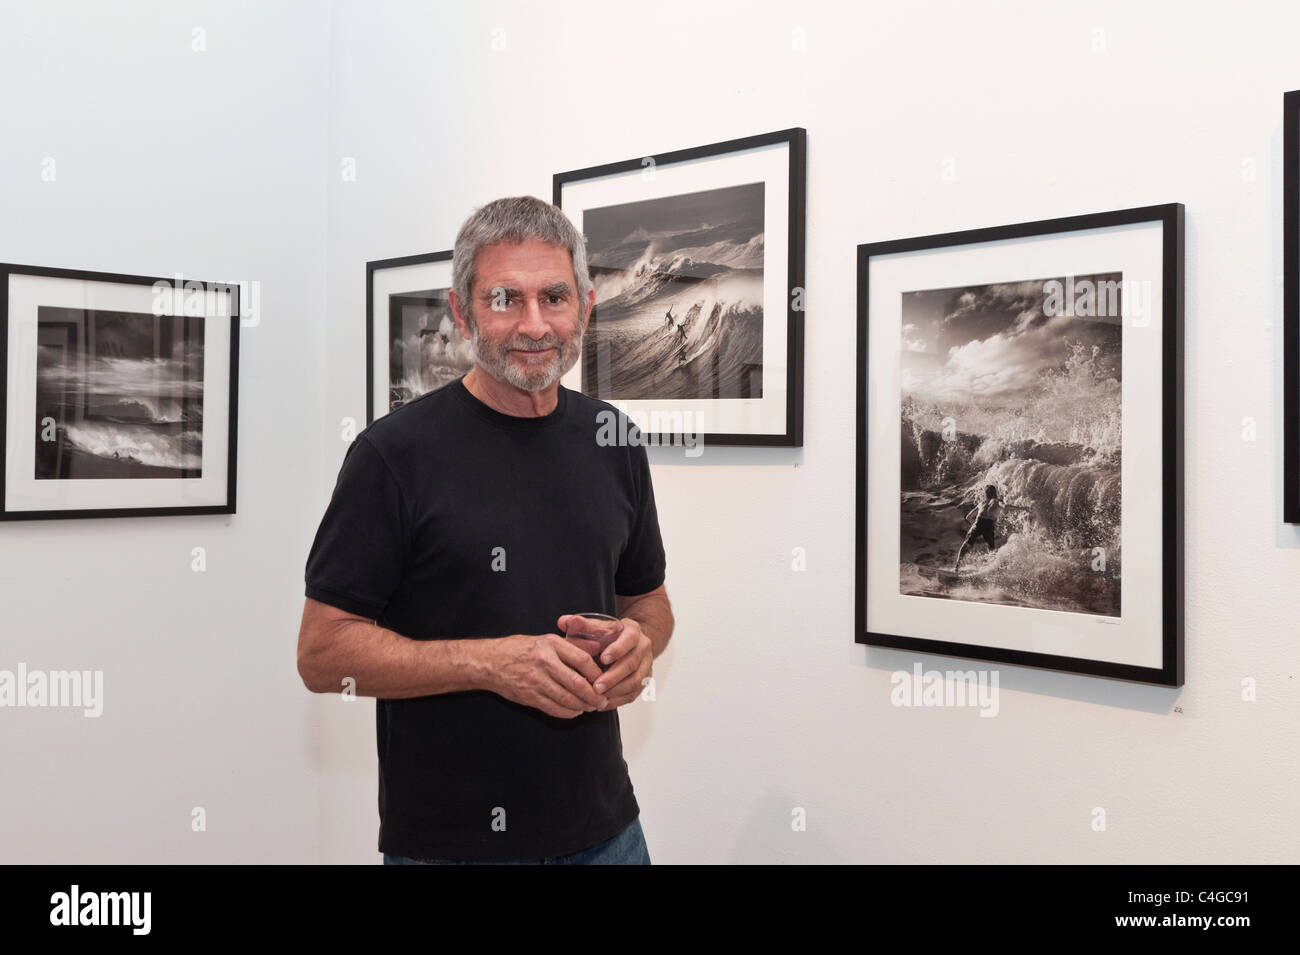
point(528, 322)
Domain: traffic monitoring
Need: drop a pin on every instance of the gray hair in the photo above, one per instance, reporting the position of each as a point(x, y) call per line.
point(516, 219)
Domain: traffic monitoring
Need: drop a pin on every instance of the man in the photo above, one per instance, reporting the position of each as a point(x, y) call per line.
point(984, 522)
point(464, 529)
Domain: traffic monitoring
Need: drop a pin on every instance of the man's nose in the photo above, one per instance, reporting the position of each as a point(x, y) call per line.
point(532, 324)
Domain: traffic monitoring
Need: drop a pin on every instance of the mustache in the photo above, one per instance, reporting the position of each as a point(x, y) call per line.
point(524, 343)
point(529, 344)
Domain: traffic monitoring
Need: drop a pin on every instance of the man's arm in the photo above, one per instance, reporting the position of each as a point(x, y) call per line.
point(334, 645)
point(543, 671)
point(653, 612)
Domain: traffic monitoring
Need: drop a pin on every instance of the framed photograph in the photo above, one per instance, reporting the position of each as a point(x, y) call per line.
point(1291, 308)
point(1020, 444)
point(697, 258)
point(120, 394)
point(412, 343)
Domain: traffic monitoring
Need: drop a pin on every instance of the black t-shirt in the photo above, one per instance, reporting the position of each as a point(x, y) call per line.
point(453, 520)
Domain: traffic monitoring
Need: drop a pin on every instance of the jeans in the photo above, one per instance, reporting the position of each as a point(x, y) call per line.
point(626, 848)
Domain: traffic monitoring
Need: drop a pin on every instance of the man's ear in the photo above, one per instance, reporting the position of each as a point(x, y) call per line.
point(458, 315)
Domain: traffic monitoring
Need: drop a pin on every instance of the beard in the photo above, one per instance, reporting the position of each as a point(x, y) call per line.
point(494, 358)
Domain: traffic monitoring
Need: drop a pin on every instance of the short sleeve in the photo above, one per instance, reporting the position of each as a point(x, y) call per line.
point(359, 555)
point(642, 563)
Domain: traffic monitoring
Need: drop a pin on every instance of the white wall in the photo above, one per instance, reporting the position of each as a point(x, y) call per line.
point(210, 164)
point(764, 701)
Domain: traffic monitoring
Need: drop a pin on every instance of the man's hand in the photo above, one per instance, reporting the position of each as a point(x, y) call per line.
point(546, 672)
point(631, 659)
point(592, 636)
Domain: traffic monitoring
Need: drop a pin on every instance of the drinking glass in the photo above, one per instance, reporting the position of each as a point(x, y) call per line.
point(593, 632)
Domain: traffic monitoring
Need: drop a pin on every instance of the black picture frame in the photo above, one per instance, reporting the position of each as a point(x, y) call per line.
point(795, 139)
point(380, 265)
point(7, 271)
point(1171, 670)
point(1291, 307)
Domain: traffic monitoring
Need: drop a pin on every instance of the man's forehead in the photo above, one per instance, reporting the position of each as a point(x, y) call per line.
point(540, 278)
point(531, 264)
point(524, 279)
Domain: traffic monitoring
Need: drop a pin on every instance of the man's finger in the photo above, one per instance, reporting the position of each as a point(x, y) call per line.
point(626, 668)
point(553, 699)
point(564, 698)
point(573, 676)
point(622, 646)
point(631, 688)
point(632, 683)
point(586, 645)
point(575, 657)
point(616, 702)
point(551, 708)
point(622, 699)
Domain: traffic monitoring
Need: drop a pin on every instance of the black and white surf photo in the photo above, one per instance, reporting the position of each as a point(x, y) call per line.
point(679, 296)
point(1011, 441)
point(118, 395)
point(426, 350)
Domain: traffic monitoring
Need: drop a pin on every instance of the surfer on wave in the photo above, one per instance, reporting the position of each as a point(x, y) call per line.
point(985, 515)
